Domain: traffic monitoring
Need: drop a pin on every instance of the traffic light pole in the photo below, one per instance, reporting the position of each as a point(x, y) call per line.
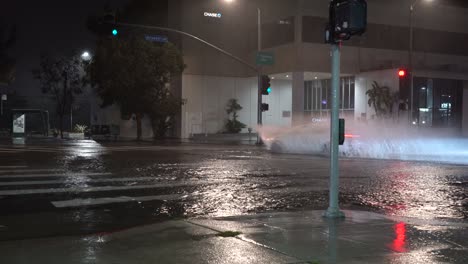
point(252, 67)
point(333, 210)
point(260, 112)
point(259, 78)
point(410, 63)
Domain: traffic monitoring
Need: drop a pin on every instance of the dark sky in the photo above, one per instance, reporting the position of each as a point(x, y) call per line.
point(53, 26)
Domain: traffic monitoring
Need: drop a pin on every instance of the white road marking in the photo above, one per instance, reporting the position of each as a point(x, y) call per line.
point(26, 149)
point(102, 189)
point(83, 181)
point(13, 167)
point(111, 200)
point(28, 170)
point(54, 175)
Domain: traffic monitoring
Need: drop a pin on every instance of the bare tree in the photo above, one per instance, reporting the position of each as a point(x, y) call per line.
point(63, 78)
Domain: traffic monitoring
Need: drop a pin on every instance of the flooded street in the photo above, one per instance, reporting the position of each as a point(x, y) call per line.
point(87, 187)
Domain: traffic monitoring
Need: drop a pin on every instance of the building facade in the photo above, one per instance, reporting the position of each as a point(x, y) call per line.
point(293, 31)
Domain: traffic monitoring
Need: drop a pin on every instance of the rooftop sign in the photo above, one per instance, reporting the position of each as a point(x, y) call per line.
point(211, 14)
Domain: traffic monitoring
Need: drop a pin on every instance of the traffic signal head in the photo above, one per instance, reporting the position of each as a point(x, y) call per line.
point(404, 91)
point(347, 18)
point(266, 85)
point(265, 107)
point(115, 32)
point(402, 73)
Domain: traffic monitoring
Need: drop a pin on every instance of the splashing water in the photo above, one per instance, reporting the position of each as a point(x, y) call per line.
point(379, 141)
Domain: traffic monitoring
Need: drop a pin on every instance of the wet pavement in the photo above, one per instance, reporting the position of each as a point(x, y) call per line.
point(50, 189)
point(290, 237)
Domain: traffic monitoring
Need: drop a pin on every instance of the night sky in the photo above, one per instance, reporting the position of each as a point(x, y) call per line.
point(52, 26)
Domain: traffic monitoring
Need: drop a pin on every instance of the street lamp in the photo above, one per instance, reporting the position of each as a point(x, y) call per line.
point(259, 77)
point(410, 59)
point(86, 56)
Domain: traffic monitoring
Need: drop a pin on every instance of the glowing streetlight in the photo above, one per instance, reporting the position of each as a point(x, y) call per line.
point(86, 56)
point(259, 77)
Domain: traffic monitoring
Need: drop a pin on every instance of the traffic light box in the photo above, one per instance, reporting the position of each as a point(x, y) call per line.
point(404, 77)
point(341, 128)
point(265, 107)
point(104, 25)
point(347, 18)
point(266, 85)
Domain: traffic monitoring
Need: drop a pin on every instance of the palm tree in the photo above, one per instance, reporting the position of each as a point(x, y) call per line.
point(381, 99)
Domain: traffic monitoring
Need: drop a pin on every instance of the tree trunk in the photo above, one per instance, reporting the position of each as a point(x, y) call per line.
point(138, 119)
point(154, 126)
point(61, 126)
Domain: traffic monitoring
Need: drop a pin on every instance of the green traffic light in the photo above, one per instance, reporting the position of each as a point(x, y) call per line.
point(115, 32)
point(269, 90)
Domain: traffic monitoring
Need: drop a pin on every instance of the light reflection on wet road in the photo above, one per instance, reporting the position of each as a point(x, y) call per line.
point(210, 180)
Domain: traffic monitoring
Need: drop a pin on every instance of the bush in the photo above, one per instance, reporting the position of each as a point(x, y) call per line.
point(233, 125)
point(80, 128)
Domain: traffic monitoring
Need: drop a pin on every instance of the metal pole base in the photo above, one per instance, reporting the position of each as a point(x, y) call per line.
point(333, 212)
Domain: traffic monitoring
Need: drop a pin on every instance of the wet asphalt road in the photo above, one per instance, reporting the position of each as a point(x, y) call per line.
point(85, 187)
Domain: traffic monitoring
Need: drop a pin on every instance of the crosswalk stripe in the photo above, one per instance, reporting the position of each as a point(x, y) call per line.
point(28, 170)
point(54, 175)
point(13, 167)
point(100, 189)
point(27, 149)
point(127, 179)
point(111, 200)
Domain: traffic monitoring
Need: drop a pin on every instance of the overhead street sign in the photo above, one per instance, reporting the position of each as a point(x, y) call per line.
point(157, 38)
point(265, 58)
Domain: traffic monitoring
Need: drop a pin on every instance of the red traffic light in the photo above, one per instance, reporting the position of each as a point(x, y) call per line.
point(402, 73)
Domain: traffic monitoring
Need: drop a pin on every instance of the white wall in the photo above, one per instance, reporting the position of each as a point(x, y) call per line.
point(280, 100)
point(363, 83)
point(207, 97)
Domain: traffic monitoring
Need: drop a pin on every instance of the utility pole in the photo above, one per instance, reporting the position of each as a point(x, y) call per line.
point(259, 77)
point(347, 18)
point(333, 210)
point(410, 62)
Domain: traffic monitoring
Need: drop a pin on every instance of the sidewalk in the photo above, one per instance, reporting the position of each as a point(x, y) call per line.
point(240, 139)
point(293, 237)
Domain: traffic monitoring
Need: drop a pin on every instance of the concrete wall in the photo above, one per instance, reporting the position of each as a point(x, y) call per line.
point(207, 97)
point(236, 33)
point(280, 101)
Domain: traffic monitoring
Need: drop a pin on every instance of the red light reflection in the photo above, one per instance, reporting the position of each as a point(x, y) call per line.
point(399, 242)
point(351, 136)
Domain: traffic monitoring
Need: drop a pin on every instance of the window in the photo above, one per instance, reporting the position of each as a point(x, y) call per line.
point(317, 95)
